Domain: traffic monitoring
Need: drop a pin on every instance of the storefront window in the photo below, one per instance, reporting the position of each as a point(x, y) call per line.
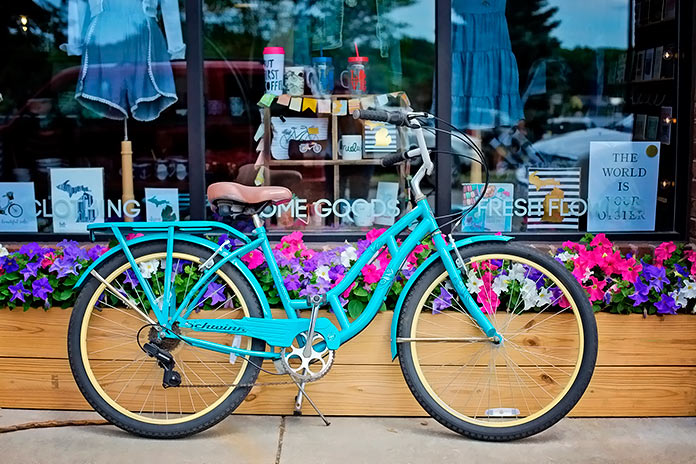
point(323, 59)
point(72, 72)
point(573, 104)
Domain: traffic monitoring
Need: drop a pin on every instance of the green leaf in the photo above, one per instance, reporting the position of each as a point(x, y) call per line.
point(355, 308)
point(360, 291)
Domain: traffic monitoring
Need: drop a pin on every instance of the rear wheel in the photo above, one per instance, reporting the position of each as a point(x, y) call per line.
point(122, 382)
point(498, 391)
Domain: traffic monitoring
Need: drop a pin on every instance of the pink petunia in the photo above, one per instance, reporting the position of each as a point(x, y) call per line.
point(132, 236)
point(601, 240)
point(48, 259)
point(663, 252)
point(253, 259)
point(372, 274)
point(374, 234)
point(596, 289)
point(630, 269)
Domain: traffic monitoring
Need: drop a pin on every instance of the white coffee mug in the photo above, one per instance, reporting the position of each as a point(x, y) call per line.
point(363, 213)
point(351, 147)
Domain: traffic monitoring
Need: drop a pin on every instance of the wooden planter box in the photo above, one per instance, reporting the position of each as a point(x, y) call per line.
point(646, 367)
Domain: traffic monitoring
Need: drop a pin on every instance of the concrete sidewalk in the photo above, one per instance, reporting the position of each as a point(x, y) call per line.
point(305, 440)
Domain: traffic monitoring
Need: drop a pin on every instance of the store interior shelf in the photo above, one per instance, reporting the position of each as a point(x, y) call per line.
point(326, 162)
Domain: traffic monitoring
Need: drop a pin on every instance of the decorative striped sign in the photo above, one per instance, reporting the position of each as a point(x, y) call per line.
point(552, 197)
point(380, 137)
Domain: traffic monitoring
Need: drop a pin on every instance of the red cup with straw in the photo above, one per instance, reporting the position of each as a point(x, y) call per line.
point(354, 78)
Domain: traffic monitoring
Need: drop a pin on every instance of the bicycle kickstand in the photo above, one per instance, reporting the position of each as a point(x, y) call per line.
point(298, 400)
point(301, 393)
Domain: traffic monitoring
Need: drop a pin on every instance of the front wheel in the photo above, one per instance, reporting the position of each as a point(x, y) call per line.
point(498, 391)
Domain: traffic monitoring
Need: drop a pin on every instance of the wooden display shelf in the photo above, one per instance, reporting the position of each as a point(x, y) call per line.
point(645, 367)
point(335, 161)
point(326, 162)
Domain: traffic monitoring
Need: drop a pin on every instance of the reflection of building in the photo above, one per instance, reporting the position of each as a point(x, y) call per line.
point(85, 208)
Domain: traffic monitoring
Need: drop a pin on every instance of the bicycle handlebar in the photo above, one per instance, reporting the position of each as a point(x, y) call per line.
point(394, 158)
point(393, 117)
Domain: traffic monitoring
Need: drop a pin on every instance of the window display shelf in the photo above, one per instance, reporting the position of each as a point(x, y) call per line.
point(334, 159)
point(325, 162)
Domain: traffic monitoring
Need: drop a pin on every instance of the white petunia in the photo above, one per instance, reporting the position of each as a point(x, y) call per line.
point(679, 298)
point(566, 256)
point(528, 286)
point(474, 285)
point(3, 251)
point(530, 300)
point(500, 284)
point(689, 289)
point(517, 272)
point(544, 297)
point(348, 255)
point(147, 268)
point(323, 272)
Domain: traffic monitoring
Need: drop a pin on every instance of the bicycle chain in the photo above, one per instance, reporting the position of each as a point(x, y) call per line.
point(243, 385)
point(226, 385)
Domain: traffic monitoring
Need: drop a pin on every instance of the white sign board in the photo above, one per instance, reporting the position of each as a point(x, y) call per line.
point(17, 207)
point(162, 204)
point(77, 198)
point(622, 189)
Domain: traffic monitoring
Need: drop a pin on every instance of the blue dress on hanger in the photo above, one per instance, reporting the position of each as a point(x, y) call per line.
point(485, 79)
point(126, 68)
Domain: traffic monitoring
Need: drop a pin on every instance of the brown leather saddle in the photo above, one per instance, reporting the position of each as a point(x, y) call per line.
point(233, 199)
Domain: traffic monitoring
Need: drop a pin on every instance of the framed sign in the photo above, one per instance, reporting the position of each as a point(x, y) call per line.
point(17, 207)
point(622, 190)
point(161, 204)
point(553, 199)
point(77, 198)
point(494, 211)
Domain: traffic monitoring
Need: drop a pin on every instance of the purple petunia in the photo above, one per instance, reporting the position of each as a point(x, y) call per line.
point(18, 292)
point(443, 301)
point(641, 294)
point(41, 288)
point(131, 278)
point(9, 265)
point(215, 292)
point(30, 270)
point(72, 252)
point(666, 305)
point(95, 252)
point(64, 266)
point(408, 272)
point(292, 282)
point(656, 276)
point(336, 273)
point(31, 250)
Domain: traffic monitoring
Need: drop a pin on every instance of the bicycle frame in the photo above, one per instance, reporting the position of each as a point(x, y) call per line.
point(167, 314)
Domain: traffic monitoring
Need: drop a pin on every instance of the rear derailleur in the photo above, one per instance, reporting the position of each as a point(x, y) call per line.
point(166, 361)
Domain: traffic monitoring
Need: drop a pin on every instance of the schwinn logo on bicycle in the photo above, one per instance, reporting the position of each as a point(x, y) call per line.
point(220, 327)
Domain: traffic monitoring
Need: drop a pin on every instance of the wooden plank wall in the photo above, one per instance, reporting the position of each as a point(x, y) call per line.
point(646, 367)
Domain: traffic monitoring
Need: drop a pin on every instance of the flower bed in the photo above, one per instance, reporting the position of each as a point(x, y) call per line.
point(661, 282)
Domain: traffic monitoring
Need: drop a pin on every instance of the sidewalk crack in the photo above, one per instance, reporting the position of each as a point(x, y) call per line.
point(281, 433)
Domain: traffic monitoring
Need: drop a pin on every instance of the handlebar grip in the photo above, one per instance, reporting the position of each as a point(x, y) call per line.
point(393, 159)
point(393, 117)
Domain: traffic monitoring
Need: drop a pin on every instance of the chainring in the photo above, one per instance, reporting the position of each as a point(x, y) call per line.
point(307, 368)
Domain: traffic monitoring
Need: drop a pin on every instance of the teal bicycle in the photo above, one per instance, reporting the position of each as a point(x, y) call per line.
point(496, 340)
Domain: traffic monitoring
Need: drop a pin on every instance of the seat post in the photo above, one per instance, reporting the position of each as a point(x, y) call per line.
point(258, 222)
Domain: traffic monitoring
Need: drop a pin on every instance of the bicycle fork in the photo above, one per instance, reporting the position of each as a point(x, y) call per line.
point(455, 271)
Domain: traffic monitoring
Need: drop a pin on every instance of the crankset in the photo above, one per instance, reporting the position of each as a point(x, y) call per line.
point(306, 363)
